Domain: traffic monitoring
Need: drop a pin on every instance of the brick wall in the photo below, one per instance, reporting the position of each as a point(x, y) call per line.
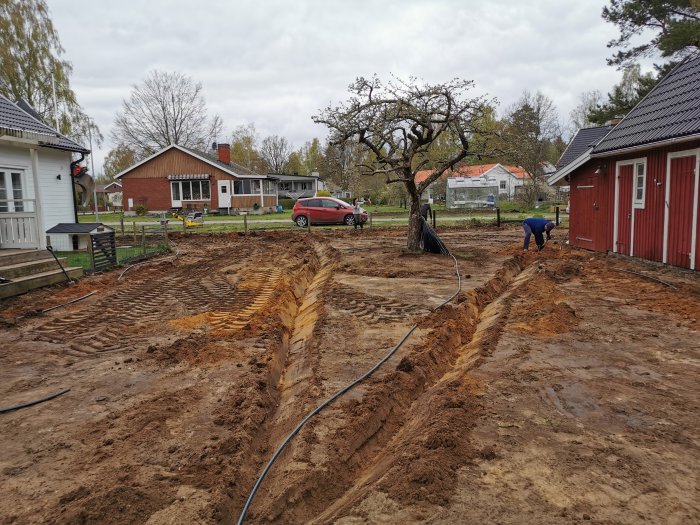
point(152, 193)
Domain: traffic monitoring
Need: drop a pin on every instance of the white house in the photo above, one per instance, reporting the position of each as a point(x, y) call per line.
point(36, 185)
point(508, 179)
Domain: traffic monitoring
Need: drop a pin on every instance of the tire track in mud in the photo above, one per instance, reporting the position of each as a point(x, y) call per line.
point(412, 423)
point(254, 291)
point(375, 309)
point(108, 324)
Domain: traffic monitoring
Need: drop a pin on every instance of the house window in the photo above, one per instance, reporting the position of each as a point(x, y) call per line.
point(188, 190)
point(639, 183)
point(11, 193)
point(246, 187)
point(502, 185)
point(268, 187)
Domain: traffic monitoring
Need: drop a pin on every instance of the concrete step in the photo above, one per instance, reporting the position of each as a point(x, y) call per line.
point(9, 257)
point(30, 282)
point(30, 267)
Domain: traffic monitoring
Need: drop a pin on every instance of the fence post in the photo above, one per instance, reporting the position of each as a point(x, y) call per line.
point(498, 217)
point(134, 224)
point(370, 221)
point(121, 223)
point(308, 223)
point(165, 230)
point(91, 253)
point(557, 210)
point(245, 225)
point(143, 240)
point(184, 225)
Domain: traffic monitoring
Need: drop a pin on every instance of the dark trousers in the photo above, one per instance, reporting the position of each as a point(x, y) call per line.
point(358, 221)
point(539, 237)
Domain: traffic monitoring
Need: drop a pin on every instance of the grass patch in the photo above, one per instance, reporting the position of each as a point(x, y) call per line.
point(124, 255)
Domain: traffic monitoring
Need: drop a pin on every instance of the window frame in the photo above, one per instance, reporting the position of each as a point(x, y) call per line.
point(638, 203)
point(181, 184)
point(12, 203)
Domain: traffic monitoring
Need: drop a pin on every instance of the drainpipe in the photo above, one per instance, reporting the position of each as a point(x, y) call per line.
point(72, 185)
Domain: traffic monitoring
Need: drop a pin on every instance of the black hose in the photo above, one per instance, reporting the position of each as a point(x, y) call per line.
point(335, 396)
point(68, 302)
point(646, 276)
point(35, 402)
point(50, 249)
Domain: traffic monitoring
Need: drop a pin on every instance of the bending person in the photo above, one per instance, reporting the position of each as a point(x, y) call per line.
point(538, 227)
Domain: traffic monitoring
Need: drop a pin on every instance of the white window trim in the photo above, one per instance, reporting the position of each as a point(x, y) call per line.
point(9, 170)
point(175, 202)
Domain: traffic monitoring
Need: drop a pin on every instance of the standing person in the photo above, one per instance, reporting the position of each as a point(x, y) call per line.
point(357, 214)
point(538, 227)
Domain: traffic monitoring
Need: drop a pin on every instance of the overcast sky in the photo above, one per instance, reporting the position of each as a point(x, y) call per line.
point(275, 63)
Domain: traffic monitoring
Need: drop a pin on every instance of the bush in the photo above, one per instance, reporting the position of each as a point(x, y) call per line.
point(323, 193)
point(287, 204)
point(256, 206)
point(140, 210)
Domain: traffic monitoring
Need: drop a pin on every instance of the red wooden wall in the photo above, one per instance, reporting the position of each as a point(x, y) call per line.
point(593, 206)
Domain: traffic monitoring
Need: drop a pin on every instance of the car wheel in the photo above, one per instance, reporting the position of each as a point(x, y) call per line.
point(349, 220)
point(302, 221)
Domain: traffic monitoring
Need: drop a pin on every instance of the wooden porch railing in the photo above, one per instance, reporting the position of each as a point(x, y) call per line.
point(19, 224)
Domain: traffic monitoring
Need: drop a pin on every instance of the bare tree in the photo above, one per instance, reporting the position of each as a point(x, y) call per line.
point(167, 108)
point(531, 126)
point(275, 151)
point(397, 122)
point(580, 115)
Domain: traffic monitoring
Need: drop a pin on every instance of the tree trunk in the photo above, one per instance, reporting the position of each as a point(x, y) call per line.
point(414, 224)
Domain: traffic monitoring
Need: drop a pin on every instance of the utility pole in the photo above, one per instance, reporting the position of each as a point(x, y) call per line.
point(92, 162)
point(55, 102)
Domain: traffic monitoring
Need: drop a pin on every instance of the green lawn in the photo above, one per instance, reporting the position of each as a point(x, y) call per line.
point(124, 253)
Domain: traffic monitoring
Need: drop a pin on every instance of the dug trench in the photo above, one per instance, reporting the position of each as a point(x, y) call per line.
point(406, 431)
point(178, 418)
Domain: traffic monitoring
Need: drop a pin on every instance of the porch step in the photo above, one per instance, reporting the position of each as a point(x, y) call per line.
point(9, 257)
point(29, 282)
point(13, 271)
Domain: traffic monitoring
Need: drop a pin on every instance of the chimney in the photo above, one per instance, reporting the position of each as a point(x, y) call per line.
point(614, 121)
point(224, 153)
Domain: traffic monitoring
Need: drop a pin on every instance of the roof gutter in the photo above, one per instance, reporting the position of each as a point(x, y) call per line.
point(31, 135)
point(667, 142)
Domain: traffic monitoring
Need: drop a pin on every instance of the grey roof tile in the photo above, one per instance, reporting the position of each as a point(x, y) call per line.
point(671, 110)
point(584, 139)
point(14, 118)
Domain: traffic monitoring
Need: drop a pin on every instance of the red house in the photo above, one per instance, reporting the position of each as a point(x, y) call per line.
point(184, 178)
point(634, 186)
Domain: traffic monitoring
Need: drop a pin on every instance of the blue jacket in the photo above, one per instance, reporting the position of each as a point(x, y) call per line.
point(536, 225)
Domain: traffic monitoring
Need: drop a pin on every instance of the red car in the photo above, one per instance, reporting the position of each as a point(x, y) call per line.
point(324, 210)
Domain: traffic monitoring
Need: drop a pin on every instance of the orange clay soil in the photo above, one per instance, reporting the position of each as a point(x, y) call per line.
point(554, 388)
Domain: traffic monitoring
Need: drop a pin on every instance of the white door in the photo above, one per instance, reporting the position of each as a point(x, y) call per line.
point(224, 187)
point(18, 220)
point(11, 191)
point(175, 195)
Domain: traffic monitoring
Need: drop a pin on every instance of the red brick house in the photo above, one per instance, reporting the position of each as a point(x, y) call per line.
point(184, 178)
point(635, 187)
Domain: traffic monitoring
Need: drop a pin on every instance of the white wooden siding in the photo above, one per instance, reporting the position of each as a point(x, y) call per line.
point(55, 194)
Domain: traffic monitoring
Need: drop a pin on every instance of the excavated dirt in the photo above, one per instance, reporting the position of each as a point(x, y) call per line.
point(555, 388)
